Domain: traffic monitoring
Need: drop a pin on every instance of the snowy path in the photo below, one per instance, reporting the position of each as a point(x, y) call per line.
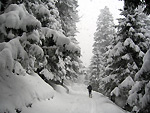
point(75, 102)
point(93, 107)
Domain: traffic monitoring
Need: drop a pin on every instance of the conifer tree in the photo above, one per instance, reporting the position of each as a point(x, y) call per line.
point(132, 4)
point(102, 37)
point(32, 41)
point(69, 16)
point(126, 56)
point(50, 29)
point(139, 93)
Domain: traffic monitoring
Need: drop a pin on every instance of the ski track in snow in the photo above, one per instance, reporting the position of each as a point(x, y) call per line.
point(74, 106)
point(93, 108)
point(75, 103)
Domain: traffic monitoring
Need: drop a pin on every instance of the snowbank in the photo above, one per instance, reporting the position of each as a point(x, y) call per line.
point(60, 89)
point(19, 91)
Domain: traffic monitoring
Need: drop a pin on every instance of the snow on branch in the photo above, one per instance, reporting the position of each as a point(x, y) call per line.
point(115, 91)
point(9, 52)
point(129, 42)
point(17, 17)
point(132, 99)
point(128, 82)
point(126, 57)
point(15, 47)
point(116, 51)
point(60, 39)
point(6, 62)
point(146, 65)
point(72, 47)
point(47, 74)
point(36, 51)
point(57, 37)
point(42, 10)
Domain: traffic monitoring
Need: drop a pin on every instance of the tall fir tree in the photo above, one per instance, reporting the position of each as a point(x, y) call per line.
point(69, 16)
point(138, 98)
point(132, 4)
point(102, 38)
point(32, 43)
point(55, 54)
point(125, 58)
point(54, 18)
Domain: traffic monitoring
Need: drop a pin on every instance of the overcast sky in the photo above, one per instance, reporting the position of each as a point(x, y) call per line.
point(89, 11)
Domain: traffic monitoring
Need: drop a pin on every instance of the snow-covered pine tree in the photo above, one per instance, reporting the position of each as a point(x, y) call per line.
point(102, 39)
point(126, 56)
point(54, 51)
point(128, 4)
point(139, 94)
point(47, 13)
point(138, 97)
point(49, 16)
point(69, 17)
point(18, 24)
point(25, 36)
point(95, 70)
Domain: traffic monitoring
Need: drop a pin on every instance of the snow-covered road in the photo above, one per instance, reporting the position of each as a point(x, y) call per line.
point(77, 101)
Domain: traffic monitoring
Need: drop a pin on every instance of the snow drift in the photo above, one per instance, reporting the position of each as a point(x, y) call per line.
point(19, 91)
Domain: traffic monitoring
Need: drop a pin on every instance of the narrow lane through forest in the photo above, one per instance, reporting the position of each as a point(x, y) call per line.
point(77, 101)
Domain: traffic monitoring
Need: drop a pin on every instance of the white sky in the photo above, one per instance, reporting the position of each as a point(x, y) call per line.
point(89, 11)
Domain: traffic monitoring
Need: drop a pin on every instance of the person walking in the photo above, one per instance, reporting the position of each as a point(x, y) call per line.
point(90, 90)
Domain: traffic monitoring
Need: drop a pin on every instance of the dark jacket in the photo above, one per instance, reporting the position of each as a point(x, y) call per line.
point(89, 88)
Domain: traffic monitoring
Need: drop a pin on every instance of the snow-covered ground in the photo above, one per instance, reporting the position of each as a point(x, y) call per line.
point(77, 101)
